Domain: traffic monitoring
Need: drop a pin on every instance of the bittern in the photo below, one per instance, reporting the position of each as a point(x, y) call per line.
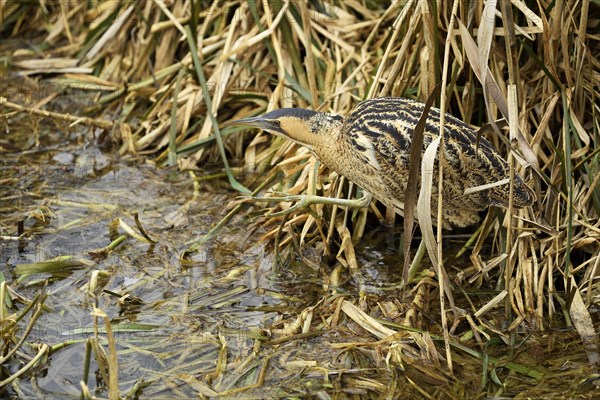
point(370, 147)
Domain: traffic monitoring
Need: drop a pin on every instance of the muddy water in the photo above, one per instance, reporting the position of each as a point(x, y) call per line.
point(64, 192)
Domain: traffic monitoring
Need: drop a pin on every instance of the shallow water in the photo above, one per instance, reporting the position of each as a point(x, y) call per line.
point(69, 193)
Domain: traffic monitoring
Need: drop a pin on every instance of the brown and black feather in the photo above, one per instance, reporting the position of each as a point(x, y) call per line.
point(371, 145)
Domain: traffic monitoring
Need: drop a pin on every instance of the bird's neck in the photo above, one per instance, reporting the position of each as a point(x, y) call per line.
point(323, 137)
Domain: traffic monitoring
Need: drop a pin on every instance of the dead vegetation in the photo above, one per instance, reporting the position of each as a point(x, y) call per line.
point(164, 76)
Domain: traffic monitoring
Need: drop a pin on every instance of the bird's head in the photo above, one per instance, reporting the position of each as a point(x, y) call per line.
point(309, 128)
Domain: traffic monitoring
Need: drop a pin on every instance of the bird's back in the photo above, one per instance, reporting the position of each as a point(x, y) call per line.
point(381, 130)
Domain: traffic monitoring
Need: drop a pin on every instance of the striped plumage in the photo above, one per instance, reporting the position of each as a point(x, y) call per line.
point(370, 146)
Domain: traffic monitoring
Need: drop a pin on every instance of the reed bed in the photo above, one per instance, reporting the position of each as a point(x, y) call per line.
point(161, 77)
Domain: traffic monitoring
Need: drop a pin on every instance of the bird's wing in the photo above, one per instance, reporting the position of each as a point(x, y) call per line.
point(384, 128)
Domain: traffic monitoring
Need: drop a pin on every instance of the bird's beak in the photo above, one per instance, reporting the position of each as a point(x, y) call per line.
point(255, 122)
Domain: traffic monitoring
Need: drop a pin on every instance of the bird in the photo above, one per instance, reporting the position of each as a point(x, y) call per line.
point(370, 146)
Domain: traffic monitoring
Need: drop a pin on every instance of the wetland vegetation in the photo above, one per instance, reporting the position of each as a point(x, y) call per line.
point(136, 260)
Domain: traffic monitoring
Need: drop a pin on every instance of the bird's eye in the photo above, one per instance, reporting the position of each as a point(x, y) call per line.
point(277, 123)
